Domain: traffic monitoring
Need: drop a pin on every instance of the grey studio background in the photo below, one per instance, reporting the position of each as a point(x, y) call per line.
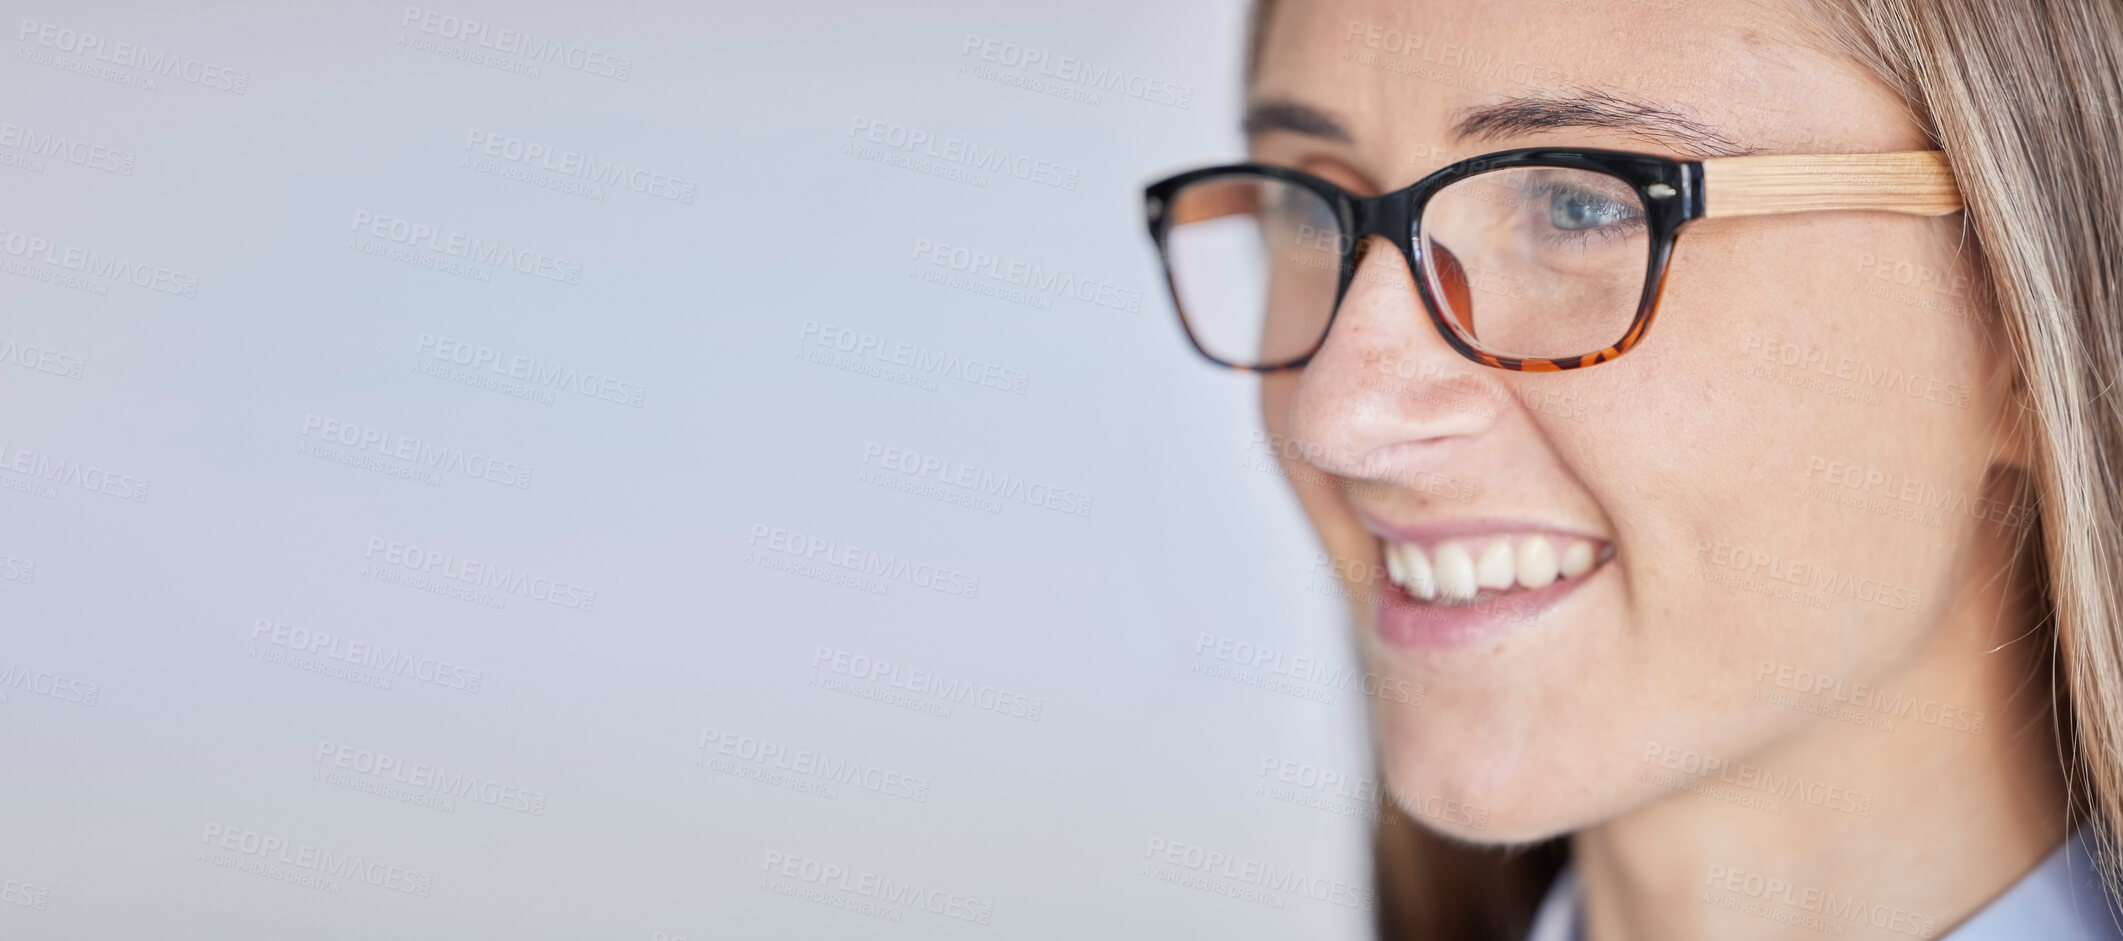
point(641, 471)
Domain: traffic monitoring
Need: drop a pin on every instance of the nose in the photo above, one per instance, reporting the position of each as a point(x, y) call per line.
point(1385, 396)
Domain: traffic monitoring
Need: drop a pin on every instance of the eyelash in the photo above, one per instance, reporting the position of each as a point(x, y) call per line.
point(1611, 233)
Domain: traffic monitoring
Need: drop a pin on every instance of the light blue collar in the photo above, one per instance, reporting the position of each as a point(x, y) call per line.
point(2060, 899)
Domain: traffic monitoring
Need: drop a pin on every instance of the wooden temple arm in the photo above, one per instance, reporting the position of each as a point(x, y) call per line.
point(1916, 182)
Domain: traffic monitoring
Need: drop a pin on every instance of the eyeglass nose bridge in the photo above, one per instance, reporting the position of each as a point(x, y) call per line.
point(1390, 216)
point(1395, 216)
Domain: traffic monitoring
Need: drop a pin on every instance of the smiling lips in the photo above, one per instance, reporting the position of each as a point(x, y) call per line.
point(1460, 570)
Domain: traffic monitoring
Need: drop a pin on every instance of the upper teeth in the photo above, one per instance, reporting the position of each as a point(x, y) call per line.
point(1457, 570)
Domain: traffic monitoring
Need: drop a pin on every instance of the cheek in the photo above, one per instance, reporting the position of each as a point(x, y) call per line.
point(1277, 390)
point(1780, 461)
point(1786, 464)
point(1325, 506)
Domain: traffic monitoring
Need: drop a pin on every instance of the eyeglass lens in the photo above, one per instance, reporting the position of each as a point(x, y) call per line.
point(1526, 262)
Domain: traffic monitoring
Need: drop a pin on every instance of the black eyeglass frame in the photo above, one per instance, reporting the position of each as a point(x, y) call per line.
point(1670, 192)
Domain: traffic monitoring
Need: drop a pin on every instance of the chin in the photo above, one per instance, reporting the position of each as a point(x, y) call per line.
point(1486, 789)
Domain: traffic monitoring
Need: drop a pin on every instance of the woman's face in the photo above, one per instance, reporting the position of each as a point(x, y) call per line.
point(1786, 475)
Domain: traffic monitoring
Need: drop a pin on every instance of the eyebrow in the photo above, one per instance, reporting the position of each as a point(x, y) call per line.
point(1596, 109)
point(1588, 108)
point(1265, 116)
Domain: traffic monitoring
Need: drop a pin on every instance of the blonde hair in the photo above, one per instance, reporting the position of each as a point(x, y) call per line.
point(2026, 99)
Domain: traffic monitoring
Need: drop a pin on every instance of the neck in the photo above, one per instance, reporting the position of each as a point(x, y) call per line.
point(1850, 827)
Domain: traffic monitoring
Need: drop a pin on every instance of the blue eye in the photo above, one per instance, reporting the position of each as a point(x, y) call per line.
point(1575, 210)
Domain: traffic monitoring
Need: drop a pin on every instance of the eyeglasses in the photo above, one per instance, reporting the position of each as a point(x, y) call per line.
point(1537, 259)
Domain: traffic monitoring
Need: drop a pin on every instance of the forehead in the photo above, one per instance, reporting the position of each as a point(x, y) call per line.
point(1400, 74)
